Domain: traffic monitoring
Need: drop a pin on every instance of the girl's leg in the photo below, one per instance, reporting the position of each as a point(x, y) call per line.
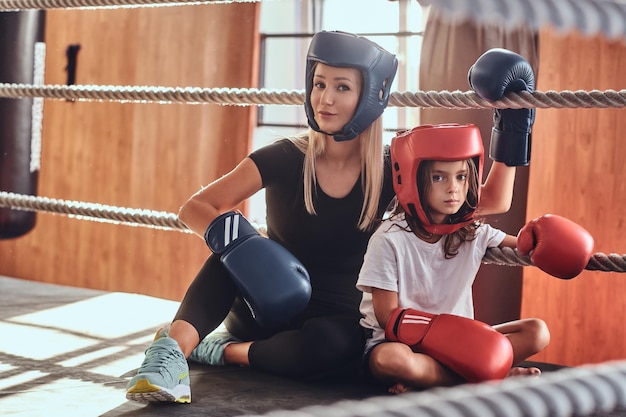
point(397, 364)
point(527, 336)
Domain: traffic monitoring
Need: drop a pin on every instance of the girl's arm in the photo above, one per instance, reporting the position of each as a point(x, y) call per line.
point(219, 196)
point(497, 191)
point(384, 302)
point(508, 242)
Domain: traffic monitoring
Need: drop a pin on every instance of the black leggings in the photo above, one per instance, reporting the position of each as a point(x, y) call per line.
point(307, 347)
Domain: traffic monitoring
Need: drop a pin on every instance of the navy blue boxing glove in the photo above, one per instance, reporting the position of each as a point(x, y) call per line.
point(273, 283)
point(495, 73)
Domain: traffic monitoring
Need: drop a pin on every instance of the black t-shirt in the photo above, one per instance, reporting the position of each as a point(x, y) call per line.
point(329, 244)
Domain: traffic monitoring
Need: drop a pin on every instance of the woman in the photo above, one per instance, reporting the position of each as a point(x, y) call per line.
point(326, 191)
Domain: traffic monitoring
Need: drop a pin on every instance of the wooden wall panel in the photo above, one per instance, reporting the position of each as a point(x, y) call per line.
point(150, 156)
point(577, 171)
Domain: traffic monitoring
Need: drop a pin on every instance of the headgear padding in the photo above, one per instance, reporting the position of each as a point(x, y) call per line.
point(446, 142)
point(378, 67)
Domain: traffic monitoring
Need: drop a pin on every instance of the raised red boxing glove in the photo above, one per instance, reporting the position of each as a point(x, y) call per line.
point(472, 349)
point(556, 245)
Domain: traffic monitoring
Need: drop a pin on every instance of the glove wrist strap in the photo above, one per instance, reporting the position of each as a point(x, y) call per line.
point(511, 148)
point(226, 229)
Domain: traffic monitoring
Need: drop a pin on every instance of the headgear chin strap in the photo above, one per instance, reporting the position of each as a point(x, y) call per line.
point(446, 142)
point(342, 49)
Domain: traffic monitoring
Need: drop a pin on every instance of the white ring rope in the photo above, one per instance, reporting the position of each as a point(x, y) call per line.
point(13, 5)
point(92, 211)
point(248, 96)
point(567, 392)
point(590, 17)
point(163, 220)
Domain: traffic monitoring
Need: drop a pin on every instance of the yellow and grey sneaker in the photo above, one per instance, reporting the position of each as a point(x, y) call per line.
point(210, 350)
point(163, 375)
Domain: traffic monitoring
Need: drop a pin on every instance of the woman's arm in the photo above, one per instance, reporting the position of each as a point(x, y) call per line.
point(384, 302)
point(497, 191)
point(219, 196)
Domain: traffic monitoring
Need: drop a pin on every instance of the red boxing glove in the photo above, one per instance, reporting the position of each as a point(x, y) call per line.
point(556, 245)
point(472, 349)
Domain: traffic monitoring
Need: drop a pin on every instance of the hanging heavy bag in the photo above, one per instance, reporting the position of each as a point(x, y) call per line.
point(22, 54)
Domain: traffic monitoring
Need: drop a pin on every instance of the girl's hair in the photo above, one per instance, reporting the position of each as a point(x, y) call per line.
point(313, 144)
point(424, 185)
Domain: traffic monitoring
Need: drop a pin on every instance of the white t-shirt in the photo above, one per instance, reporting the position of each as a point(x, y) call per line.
point(397, 260)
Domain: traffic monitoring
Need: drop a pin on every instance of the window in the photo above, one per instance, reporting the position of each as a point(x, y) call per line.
point(286, 29)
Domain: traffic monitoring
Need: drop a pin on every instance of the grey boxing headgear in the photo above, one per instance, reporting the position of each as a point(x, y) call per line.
point(445, 142)
point(342, 49)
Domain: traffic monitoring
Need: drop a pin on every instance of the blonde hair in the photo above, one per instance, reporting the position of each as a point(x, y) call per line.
point(312, 144)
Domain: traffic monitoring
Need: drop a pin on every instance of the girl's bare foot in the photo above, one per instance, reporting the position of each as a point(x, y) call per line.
point(398, 388)
point(520, 371)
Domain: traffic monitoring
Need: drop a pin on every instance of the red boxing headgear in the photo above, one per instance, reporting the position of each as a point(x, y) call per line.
point(445, 142)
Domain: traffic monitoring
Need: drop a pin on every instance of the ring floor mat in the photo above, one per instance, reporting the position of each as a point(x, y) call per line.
point(70, 351)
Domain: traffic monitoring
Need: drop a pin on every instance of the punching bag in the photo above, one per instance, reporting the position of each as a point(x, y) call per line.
point(22, 58)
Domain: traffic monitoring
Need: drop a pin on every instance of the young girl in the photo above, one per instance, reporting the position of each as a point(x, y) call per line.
point(425, 257)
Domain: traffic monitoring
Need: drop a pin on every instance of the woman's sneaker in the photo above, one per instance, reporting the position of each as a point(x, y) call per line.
point(210, 351)
point(163, 375)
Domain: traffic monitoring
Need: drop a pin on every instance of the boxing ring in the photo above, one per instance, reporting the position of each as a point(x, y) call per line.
point(584, 390)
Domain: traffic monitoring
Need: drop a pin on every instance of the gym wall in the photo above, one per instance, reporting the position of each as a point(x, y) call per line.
point(148, 156)
point(577, 171)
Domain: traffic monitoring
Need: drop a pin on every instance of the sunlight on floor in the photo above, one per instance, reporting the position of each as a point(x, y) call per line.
point(107, 316)
point(39, 343)
point(66, 397)
point(74, 359)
